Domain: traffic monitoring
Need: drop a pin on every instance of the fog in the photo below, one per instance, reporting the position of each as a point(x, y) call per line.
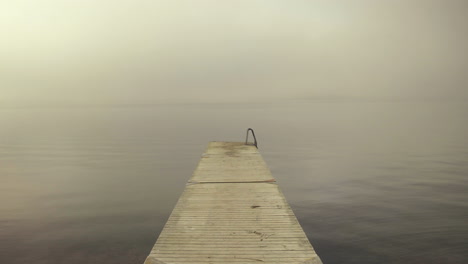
point(133, 52)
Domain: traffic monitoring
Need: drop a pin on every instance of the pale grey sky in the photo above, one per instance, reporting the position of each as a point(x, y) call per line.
point(149, 51)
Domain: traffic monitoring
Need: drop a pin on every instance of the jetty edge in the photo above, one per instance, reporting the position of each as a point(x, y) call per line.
point(232, 211)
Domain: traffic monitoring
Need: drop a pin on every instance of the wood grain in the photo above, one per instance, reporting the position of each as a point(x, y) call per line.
point(232, 210)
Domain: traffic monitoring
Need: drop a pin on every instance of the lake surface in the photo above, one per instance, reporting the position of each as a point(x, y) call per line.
point(370, 182)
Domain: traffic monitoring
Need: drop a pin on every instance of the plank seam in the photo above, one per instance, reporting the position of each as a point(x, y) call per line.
point(265, 181)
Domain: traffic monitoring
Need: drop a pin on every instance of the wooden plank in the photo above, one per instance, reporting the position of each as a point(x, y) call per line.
point(232, 210)
point(231, 162)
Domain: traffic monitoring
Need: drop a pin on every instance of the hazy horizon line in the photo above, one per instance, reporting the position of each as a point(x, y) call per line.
point(339, 98)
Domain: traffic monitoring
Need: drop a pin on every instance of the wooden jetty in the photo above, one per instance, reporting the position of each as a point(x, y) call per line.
point(232, 211)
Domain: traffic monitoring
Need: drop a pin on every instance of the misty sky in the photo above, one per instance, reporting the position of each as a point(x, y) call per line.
point(149, 51)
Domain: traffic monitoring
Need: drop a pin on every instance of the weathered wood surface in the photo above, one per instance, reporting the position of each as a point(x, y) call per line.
point(232, 211)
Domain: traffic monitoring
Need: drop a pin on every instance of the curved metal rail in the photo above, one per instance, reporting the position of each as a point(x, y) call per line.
point(247, 137)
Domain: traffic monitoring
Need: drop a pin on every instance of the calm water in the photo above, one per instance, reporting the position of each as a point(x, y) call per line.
point(371, 182)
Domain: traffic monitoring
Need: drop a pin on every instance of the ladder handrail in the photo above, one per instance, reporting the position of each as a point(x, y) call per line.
point(247, 137)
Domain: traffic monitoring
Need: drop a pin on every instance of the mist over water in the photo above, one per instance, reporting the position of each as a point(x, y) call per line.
point(360, 108)
point(144, 52)
point(370, 182)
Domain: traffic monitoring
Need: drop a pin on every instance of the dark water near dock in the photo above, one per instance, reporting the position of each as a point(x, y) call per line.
point(370, 182)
